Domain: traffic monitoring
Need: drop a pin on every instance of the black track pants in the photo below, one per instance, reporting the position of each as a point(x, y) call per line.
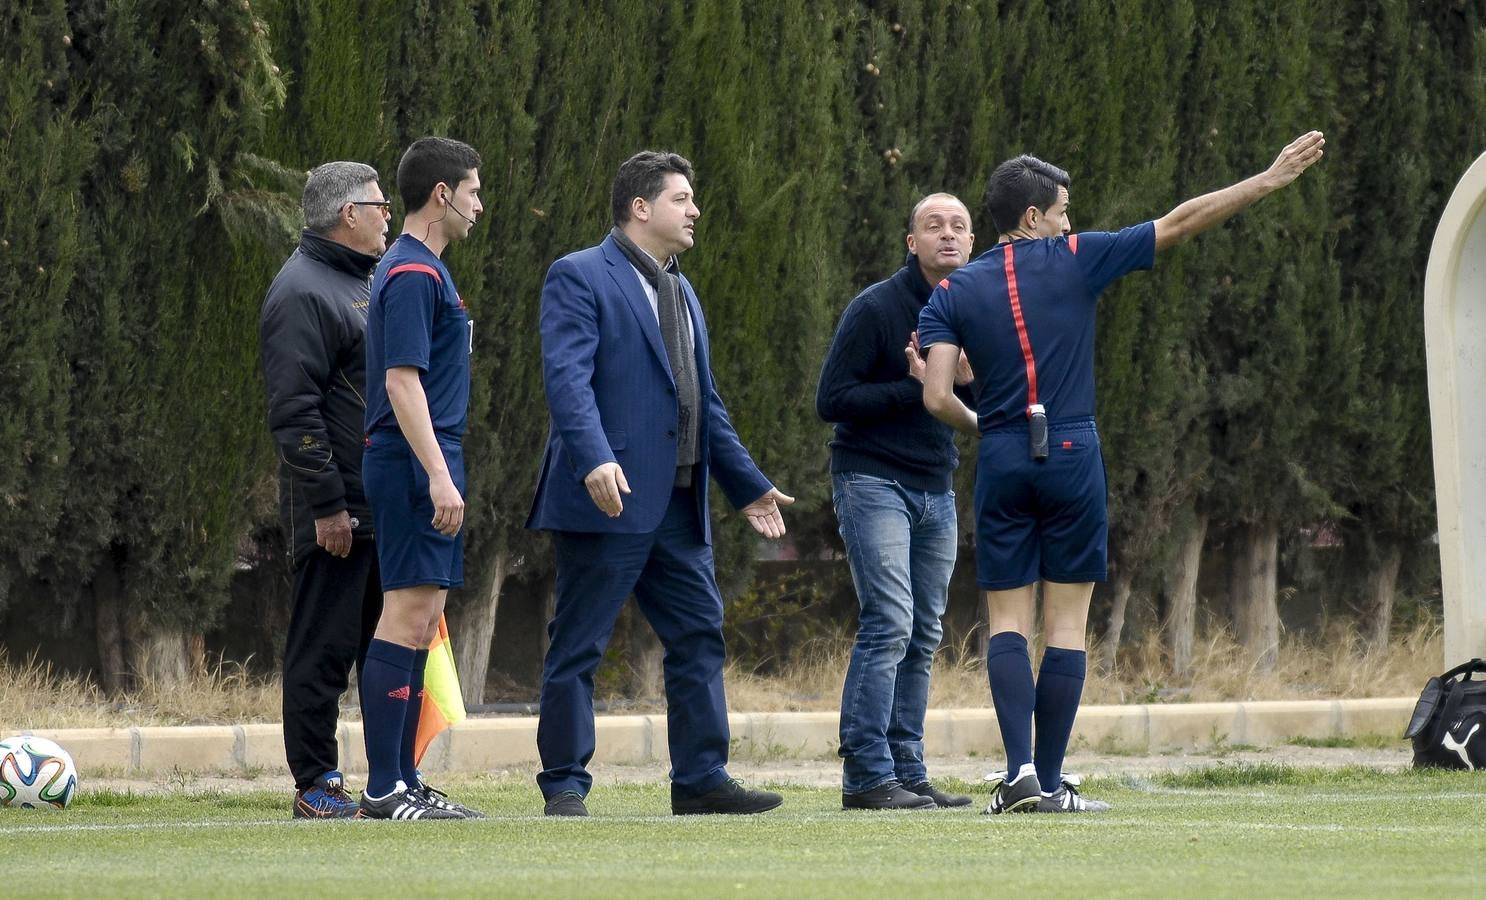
point(336, 606)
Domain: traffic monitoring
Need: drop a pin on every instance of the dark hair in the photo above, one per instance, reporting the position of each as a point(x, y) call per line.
point(1019, 183)
point(429, 161)
point(643, 175)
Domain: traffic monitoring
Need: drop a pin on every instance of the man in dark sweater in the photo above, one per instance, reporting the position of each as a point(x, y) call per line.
point(892, 468)
point(312, 335)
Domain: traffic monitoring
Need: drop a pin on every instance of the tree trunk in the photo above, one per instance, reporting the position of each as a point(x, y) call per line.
point(113, 673)
point(1253, 592)
point(1382, 579)
point(1120, 594)
point(132, 650)
point(646, 680)
point(474, 632)
point(155, 654)
point(1181, 627)
point(196, 654)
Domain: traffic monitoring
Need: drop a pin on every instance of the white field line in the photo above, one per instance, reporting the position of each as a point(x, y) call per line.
point(1183, 826)
point(1209, 826)
point(76, 827)
point(1329, 826)
point(1229, 795)
point(140, 826)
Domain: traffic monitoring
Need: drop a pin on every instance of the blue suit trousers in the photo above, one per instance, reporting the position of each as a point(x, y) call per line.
point(670, 572)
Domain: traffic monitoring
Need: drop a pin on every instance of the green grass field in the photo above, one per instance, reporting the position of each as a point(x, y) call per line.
point(1228, 830)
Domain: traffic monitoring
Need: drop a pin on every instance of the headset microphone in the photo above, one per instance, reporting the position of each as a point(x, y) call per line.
point(451, 205)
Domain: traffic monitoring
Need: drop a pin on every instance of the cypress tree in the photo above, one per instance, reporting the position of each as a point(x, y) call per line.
point(44, 150)
point(769, 262)
point(928, 112)
point(163, 372)
point(925, 116)
point(147, 199)
point(1384, 172)
point(464, 70)
point(1256, 272)
point(1147, 407)
point(501, 273)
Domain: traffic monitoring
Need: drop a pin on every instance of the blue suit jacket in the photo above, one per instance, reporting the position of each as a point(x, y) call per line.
point(612, 399)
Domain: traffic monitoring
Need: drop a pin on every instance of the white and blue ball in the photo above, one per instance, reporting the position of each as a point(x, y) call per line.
point(35, 773)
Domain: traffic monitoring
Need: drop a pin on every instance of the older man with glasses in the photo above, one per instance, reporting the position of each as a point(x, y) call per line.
point(312, 333)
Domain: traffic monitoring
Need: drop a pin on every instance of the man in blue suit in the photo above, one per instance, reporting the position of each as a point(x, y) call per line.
point(637, 429)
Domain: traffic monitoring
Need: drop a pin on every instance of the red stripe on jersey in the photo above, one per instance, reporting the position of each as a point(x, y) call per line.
point(1073, 243)
point(944, 283)
point(416, 267)
point(1021, 328)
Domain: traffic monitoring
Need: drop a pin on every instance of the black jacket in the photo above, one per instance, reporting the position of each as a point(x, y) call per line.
point(312, 336)
point(882, 427)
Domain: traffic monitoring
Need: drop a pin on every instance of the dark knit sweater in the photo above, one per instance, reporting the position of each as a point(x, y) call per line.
point(882, 427)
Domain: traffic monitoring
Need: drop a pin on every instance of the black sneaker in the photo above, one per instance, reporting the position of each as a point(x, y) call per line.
point(728, 798)
point(889, 795)
point(327, 799)
point(1019, 794)
point(402, 805)
point(940, 798)
point(568, 803)
point(1067, 799)
point(435, 797)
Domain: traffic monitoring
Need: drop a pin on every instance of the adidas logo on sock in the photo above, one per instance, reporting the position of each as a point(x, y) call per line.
point(400, 694)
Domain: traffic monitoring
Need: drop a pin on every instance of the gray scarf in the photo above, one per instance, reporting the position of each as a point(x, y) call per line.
point(674, 319)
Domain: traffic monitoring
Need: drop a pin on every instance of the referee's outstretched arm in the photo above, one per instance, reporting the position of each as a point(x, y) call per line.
point(1201, 213)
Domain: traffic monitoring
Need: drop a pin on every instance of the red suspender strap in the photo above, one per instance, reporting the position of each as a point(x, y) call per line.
point(1021, 328)
point(416, 267)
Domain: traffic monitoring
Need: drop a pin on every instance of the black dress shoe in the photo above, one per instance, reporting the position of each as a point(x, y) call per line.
point(568, 803)
point(890, 795)
point(941, 799)
point(728, 798)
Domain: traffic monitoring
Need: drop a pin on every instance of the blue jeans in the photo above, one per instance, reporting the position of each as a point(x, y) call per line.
point(901, 546)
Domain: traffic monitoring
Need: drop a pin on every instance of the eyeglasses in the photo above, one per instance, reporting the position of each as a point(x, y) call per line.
point(383, 205)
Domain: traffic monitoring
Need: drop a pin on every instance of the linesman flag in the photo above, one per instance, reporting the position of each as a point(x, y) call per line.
point(443, 704)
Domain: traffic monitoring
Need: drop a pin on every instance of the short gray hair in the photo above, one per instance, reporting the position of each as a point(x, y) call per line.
point(329, 188)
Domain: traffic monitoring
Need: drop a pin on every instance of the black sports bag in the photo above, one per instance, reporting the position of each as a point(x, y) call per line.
point(1449, 720)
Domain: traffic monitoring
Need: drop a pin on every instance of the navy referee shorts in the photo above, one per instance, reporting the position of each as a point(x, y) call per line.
point(410, 551)
point(1045, 520)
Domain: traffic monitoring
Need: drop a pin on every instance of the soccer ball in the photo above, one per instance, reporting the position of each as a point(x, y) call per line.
point(35, 773)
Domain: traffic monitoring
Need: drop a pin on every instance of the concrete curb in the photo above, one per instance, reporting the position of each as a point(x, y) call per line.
point(484, 745)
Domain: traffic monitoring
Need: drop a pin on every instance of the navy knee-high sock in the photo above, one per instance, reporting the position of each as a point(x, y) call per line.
point(1009, 668)
point(1060, 684)
point(384, 704)
point(410, 722)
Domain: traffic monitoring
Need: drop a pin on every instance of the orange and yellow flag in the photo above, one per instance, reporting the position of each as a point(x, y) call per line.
point(443, 704)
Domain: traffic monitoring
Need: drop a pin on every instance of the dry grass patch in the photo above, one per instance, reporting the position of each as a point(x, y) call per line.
point(1335, 666)
point(36, 695)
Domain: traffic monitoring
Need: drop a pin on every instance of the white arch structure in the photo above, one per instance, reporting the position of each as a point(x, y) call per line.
point(1455, 349)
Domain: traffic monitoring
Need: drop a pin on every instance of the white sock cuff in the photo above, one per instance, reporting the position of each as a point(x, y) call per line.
point(396, 790)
